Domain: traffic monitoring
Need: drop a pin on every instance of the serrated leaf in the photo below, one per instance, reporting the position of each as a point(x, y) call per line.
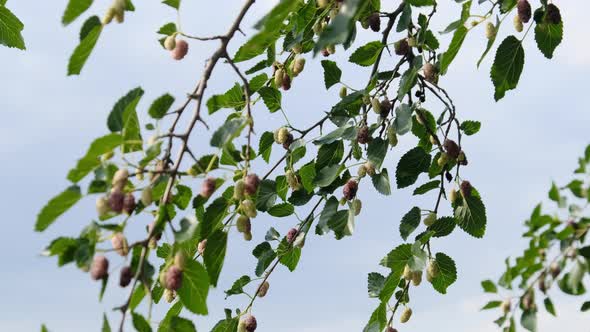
point(443, 226)
point(491, 305)
point(471, 216)
point(74, 9)
point(548, 36)
point(271, 98)
point(140, 323)
point(447, 273)
point(195, 287)
point(410, 166)
point(381, 182)
point(328, 174)
point(367, 54)
point(115, 120)
point(376, 151)
point(410, 221)
point(489, 286)
point(56, 207)
point(507, 66)
point(265, 145)
point(84, 49)
point(470, 127)
point(160, 106)
point(91, 159)
point(375, 284)
point(214, 256)
point(10, 29)
point(456, 43)
point(332, 73)
point(428, 186)
point(232, 98)
point(226, 133)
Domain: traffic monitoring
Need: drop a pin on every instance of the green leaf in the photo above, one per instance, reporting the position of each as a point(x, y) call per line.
point(132, 140)
point(410, 221)
point(410, 166)
point(585, 306)
point(549, 306)
point(376, 151)
point(232, 98)
point(140, 323)
point(179, 324)
point(420, 3)
point(115, 120)
point(381, 182)
point(447, 273)
point(83, 50)
point(528, 320)
point(328, 174)
point(214, 256)
point(226, 325)
point(265, 256)
point(491, 305)
point(172, 3)
point(265, 145)
point(160, 106)
point(470, 127)
point(267, 195)
point(443, 226)
point(471, 216)
point(106, 327)
point(291, 257)
point(281, 210)
point(456, 43)
point(403, 119)
point(74, 9)
point(342, 224)
point(332, 73)
point(213, 216)
point(91, 160)
point(271, 98)
point(407, 82)
point(367, 55)
point(238, 286)
point(554, 193)
point(507, 66)
point(10, 29)
point(428, 186)
point(489, 286)
point(56, 207)
point(168, 29)
point(308, 174)
point(329, 154)
point(195, 287)
point(341, 29)
point(397, 259)
point(548, 36)
point(375, 284)
point(227, 132)
point(329, 210)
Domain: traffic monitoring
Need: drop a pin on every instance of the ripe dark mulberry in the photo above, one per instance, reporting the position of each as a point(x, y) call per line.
point(375, 22)
point(251, 183)
point(350, 189)
point(126, 276)
point(208, 187)
point(99, 268)
point(466, 188)
point(180, 50)
point(452, 148)
point(129, 204)
point(553, 14)
point(385, 108)
point(291, 235)
point(524, 10)
point(173, 279)
point(116, 200)
point(288, 141)
point(249, 323)
point(402, 47)
point(363, 136)
point(286, 85)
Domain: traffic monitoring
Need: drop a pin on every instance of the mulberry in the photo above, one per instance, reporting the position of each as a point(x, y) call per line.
point(350, 189)
point(180, 50)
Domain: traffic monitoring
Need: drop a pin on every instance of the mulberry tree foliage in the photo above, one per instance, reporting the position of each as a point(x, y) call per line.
point(556, 259)
point(313, 177)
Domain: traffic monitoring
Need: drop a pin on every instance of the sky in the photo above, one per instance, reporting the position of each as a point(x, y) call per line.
point(530, 138)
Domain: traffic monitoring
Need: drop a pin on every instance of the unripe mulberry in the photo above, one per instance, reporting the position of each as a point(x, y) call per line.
point(102, 206)
point(505, 306)
point(318, 27)
point(247, 324)
point(453, 195)
point(542, 284)
point(323, 3)
point(297, 48)
point(343, 92)
point(286, 84)
point(251, 183)
point(291, 235)
point(362, 171)
point(376, 105)
point(128, 203)
point(248, 236)
point(208, 187)
point(282, 135)
point(370, 167)
point(119, 243)
point(299, 241)
point(553, 14)
point(430, 72)
point(201, 247)
point(524, 10)
point(357, 205)
point(432, 270)
point(407, 274)
point(385, 108)
point(169, 295)
point(518, 26)
point(116, 200)
point(363, 135)
point(298, 66)
point(391, 136)
point(109, 16)
point(288, 141)
point(146, 196)
point(401, 47)
point(173, 278)
point(350, 189)
point(263, 289)
point(466, 188)
point(249, 208)
point(374, 22)
point(120, 16)
point(293, 180)
point(180, 50)
point(279, 74)
point(120, 178)
point(554, 269)
point(430, 219)
point(125, 276)
point(490, 30)
point(416, 278)
point(406, 315)
point(99, 268)
point(180, 260)
point(170, 42)
point(451, 148)
point(443, 159)
point(239, 189)
point(243, 224)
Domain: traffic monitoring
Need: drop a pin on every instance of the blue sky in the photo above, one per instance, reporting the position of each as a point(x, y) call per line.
point(528, 139)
